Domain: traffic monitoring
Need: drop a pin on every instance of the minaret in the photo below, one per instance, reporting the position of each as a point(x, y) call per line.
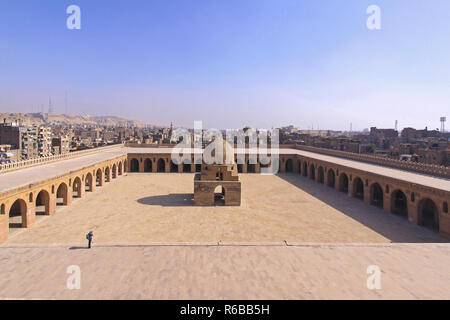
point(170, 131)
point(50, 108)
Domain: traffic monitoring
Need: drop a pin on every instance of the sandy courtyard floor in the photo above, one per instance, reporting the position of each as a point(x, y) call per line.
point(158, 208)
point(292, 238)
point(408, 271)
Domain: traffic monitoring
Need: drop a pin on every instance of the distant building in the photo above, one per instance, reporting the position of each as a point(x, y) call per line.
point(61, 145)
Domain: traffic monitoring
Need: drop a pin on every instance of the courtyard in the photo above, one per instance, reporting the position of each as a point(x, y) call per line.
point(157, 208)
point(291, 238)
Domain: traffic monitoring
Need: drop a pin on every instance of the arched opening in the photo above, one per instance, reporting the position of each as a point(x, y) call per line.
point(343, 183)
point(120, 168)
point(321, 174)
point(264, 165)
point(88, 182)
point(198, 168)
point(358, 188)
point(2, 209)
point(376, 195)
point(428, 214)
point(173, 167)
point(61, 195)
point(107, 174)
point(186, 167)
point(98, 178)
point(134, 165)
point(331, 178)
point(42, 206)
point(289, 166)
point(239, 167)
point(251, 168)
point(17, 214)
point(161, 165)
point(299, 167)
point(445, 207)
point(312, 172)
point(399, 204)
point(114, 171)
point(305, 169)
point(76, 188)
point(219, 196)
point(148, 165)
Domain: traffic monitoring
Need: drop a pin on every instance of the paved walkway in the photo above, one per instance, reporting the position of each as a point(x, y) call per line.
point(24, 177)
point(277, 271)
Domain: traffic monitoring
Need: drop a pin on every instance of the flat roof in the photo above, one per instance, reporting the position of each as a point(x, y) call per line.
point(23, 177)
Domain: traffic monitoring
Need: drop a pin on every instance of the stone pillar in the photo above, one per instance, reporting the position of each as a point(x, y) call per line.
point(282, 165)
point(167, 166)
point(102, 178)
point(317, 174)
point(244, 168)
point(69, 196)
point(4, 227)
point(192, 166)
point(108, 177)
point(325, 177)
point(180, 167)
point(154, 166)
point(141, 165)
point(350, 188)
point(413, 212)
point(52, 205)
point(30, 216)
point(336, 183)
point(367, 195)
point(387, 203)
point(308, 173)
point(93, 186)
point(82, 189)
point(295, 166)
point(258, 168)
point(444, 224)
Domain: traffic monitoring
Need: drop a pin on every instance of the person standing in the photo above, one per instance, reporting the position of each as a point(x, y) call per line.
point(90, 237)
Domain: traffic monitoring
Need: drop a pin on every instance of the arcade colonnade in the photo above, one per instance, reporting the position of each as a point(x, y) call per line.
point(421, 205)
point(19, 207)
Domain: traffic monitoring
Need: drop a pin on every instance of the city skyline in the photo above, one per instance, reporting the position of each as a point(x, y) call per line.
point(230, 64)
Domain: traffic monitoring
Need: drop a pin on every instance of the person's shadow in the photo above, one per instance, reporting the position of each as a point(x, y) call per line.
point(78, 248)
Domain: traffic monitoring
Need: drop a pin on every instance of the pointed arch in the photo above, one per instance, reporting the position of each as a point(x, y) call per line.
point(42, 205)
point(17, 214)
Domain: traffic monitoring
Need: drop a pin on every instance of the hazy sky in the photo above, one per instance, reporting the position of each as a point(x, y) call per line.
point(230, 63)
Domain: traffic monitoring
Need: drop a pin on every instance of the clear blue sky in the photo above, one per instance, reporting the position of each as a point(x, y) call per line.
point(230, 63)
